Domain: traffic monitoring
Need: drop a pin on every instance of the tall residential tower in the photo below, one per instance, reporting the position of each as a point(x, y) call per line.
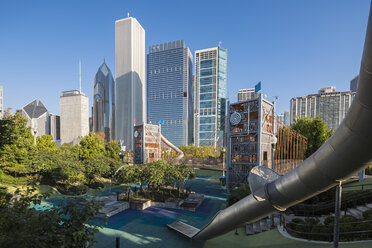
point(210, 96)
point(169, 90)
point(104, 103)
point(329, 104)
point(129, 77)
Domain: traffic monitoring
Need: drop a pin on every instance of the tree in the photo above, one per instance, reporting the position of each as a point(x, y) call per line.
point(62, 226)
point(46, 143)
point(91, 146)
point(315, 130)
point(113, 149)
point(238, 193)
point(16, 144)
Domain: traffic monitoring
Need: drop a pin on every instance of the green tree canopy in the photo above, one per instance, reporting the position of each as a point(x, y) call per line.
point(16, 143)
point(62, 226)
point(315, 130)
point(113, 149)
point(92, 146)
point(46, 143)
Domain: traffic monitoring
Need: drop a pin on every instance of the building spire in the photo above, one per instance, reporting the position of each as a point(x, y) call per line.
point(80, 76)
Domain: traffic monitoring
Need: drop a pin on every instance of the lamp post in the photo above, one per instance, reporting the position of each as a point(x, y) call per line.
point(223, 161)
point(121, 155)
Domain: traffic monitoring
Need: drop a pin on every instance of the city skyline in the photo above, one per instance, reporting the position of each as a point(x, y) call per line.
point(316, 44)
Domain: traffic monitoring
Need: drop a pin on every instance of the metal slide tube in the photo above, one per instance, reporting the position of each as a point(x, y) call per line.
point(344, 154)
point(175, 148)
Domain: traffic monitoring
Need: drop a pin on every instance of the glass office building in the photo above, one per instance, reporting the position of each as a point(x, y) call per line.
point(210, 96)
point(328, 104)
point(169, 90)
point(104, 103)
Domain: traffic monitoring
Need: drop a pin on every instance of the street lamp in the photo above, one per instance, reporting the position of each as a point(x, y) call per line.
point(121, 155)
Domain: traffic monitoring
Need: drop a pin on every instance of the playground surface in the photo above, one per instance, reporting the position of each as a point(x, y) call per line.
point(146, 228)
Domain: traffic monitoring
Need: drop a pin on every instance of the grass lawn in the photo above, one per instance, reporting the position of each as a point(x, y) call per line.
point(272, 239)
point(367, 184)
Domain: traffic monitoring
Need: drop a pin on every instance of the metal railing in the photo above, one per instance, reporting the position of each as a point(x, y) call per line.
point(324, 232)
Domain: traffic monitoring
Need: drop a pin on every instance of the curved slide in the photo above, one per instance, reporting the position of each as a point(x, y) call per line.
point(175, 148)
point(344, 154)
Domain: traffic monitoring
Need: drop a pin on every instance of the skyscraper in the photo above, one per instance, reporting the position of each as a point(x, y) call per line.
point(74, 119)
point(247, 94)
point(129, 76)
point(37, 118)
point(55, 126)
point(169, 90)
point(104, 103)
point(329, 104)
point(354, 84)
point(1, 103)
point(210, 96)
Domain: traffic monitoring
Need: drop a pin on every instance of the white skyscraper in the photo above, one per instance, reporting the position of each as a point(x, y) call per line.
point(129, 77)
point(74, 120)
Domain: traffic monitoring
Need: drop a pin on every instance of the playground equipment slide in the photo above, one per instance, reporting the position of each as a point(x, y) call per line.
point(175, 148)
point(344, 154)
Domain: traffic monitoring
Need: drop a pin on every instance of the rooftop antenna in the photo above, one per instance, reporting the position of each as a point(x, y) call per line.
point(79, 75)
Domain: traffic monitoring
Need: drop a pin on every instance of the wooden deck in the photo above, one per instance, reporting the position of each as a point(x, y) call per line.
point(184, 229)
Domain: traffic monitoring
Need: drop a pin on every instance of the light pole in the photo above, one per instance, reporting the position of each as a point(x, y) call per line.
point(223, 161)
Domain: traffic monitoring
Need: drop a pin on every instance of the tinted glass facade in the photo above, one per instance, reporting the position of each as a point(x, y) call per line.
point(169, 90)
point(104, 103)
point(210, 96)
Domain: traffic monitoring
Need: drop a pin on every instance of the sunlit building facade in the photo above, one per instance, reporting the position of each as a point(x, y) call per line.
point(74, 119)
point(328, 104)
point(247, 94)
point(130, 79)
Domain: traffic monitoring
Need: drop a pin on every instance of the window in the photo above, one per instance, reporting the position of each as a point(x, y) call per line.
point(205, 127)
point(206, 63)
point(205, 120)
point(206, 97)
point(206, 104)
point(206, 81)
point(206, 135)
point(204, 89)
point(205, 72)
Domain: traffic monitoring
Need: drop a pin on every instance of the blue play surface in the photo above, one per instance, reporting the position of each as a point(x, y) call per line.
point(147, 228)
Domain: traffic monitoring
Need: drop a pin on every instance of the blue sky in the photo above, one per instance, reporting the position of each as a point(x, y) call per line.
point(294, 47)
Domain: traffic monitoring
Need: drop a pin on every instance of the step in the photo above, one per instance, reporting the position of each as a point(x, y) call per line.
point(362, 208)
point(271, 222)
point(276, 221)
point(249, 229)
point(369, 205)
point(355, 212)
point(263, 224)
point(256, 227)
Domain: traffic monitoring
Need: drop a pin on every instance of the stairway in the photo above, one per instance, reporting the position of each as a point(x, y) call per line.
point(262, 225)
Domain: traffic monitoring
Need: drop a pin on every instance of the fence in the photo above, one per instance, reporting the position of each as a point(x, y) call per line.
point(349, 231)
